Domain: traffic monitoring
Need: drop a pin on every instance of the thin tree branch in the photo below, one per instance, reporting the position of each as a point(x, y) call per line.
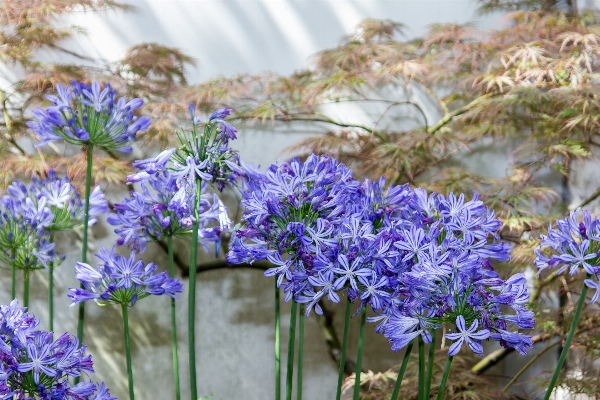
point(529, 364)
point(74, 54)
point(446, 119)
point(593, 197)
point(325, 321)
point(9, 126)
point(538, 289)
point(324, 119)
point(496, 356)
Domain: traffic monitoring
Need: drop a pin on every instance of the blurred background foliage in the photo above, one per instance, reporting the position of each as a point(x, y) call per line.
point(527, 90)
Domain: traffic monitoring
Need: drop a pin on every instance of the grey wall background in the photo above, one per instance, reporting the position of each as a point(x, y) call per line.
point(234, 307)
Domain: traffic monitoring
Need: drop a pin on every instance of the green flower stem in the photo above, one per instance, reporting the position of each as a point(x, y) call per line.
point(277, 344)
point(563, 354)
point(26, 272)
point(421, 368)
point(402, 370)
point(13, 286)
point(13, 274)
point(338, 395)
point(51, 292)
point(51, 298)
point(445, 377)
point(84, 247)
point(192, 293)
point(430, 365)
point(128, 351)
point(361, 341)
point(290, 358)
point(173, 323)
point(300, 352)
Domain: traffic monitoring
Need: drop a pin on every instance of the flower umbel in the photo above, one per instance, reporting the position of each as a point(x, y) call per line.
point(205, 153)
point(85, 114)
point(445, 276)
point(33, 365)
point(121, 280)
point(62, 199)
point(163, 209)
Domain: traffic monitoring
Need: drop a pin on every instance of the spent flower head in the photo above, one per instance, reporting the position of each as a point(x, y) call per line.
point(83, 114)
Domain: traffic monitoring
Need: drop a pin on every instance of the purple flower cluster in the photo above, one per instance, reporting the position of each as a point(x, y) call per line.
point(121, 280)
point(35, 366)
point(419, 260)
point(163, 208)
point(84, 114)
point(25, 240)
point(322, 229)
point(292, 215)
point(445, 277)
point(63, 200)
point(574, 245)
point(206, 155)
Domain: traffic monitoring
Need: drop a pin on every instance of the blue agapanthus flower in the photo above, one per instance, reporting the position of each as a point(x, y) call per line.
point(62, 199)
point(25, 240)
point(445, 276)
point(292, 213)
point(205, 153)
point(323, 230)
point(84, 114)
point(34, 365)
point(574, 245)
point(121, 280)
point(162, 208)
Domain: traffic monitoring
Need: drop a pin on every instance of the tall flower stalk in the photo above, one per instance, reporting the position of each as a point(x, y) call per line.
point(88, 116)
point(170, 204)
point(127, 350)
point(289, 379)
point(84, 245)
point(192, 294)
point(340, 382)
point(51, 292)
point(203, 156)
point(123, 281)
point(290, 213)
point(572, 244)
point(402, 371)
point(421, 368)
point(277, 343)
point(359, 355)
point(173, 323)
point(300, 353)
point(430, 358)
point(445, 375)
